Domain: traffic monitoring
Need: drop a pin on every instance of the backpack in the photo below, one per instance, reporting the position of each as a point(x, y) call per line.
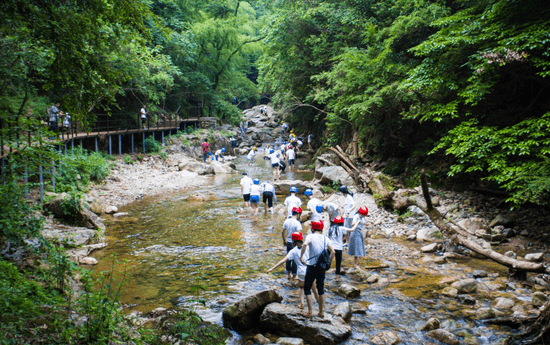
point(324, 261)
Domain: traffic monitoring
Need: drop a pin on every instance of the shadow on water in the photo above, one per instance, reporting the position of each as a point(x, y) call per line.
point(172, 244)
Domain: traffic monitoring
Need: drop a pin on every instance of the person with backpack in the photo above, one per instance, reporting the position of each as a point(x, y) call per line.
point(290, 226)
point(356, 247)
point(294, 256)
point(316, 244)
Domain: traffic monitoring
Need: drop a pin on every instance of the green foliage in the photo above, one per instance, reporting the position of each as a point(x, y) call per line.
point(128, 159)
point(187, 326)
point(77, 168)
point(72, 205)
point(152, 146)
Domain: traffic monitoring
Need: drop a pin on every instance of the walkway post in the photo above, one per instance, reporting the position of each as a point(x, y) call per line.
point(41, 184)
point(132, 143)
point(72, 144)
point(95, 144)
point(110, 147)
point(26, 181)
point(53, 177)
point(144, 142)
point(65, 147)
point(119, 145)
point(163, 138)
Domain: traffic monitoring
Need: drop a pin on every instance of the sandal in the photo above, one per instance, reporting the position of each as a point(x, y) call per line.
point(301, 306)
point(306, 315)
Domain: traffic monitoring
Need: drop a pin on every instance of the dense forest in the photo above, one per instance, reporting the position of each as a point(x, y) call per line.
point(460, 86)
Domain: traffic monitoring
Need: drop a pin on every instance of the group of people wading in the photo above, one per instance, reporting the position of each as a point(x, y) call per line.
point(302, 259)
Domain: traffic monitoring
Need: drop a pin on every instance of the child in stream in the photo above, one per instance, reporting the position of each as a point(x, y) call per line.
point(294, 256)
point(356, 246)
point(251, 155)
point(274, 157)
point(336, 234)
point(290, 226)
point(292, 200)
point(255, 195)
point(246, 182)
point(269, 196)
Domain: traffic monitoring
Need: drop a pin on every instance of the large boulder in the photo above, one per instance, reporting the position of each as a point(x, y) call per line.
point(279, 318)
point(472, 224)
point(349, 291)
point(431, 234)
point(283, 186)
point(326, 175)
point(84, 215)
point(221, 168)
point(443, 336)
point(244, 314)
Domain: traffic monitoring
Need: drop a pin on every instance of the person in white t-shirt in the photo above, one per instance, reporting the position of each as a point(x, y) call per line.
point(246, 182)
point(294, 256)
point(292, 200)
point(269, 196)
point(291, 157)
point(336, 234)
point(332, 209)
point(274, 157)
point(251, 155)
point(315, 244)
point(312, 204)
point(266, 152)
point(290, 226)
point(220, 153)
point(255, 195)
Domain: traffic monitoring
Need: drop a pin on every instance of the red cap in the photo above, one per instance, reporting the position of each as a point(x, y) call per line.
point(297, 209)
point(297, 236)
point(339, 220)
point(317, 225)
point(364, 210)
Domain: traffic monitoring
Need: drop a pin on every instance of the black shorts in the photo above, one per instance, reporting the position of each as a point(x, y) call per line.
point(233, 144)
point(246, 197)
point(317, 275)
point(268, 196)
point(274, 165)
point(143, 120)
point(291, 162)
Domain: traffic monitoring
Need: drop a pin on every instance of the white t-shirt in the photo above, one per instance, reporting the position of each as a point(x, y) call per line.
point(291, 225)
point(300, 143)
point(143, 113)
point(274, 157)
point(255, 189)
point(246, 182)
point(309, 137)
point(291, 202)
point(251, 154)
point(348, 205)
point(294, 255)
point(332, 210)
point(336, 236)
point(291, 154)
point(311, 204)
point(219, 152)
point(268, 187)
point(317, 244)
point(358, 218)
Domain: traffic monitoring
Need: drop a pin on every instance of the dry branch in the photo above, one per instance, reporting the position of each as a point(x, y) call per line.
point(326, 161)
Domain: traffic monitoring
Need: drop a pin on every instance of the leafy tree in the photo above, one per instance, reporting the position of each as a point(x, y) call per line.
point(484, 75)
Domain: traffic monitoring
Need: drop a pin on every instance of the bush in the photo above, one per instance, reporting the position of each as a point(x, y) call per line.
point(152, 146)
point(77, 169)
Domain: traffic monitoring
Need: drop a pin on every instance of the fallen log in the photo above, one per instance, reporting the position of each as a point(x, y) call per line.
point(459, 236)
point(326, 161)
point(360, 181)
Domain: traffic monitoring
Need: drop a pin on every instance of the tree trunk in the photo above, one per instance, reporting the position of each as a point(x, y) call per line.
point(460, 236)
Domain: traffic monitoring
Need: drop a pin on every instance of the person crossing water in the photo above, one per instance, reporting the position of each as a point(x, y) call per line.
point(290, 226)
point(220, 153)
point(269, 196)
point(246, 183)
point(274, 157)
point(292, 200)
point(251, 155)
point(255, 195)
point(356, 246)
point(312, 204)
point(233, 145)
point(291, 157)
point(336, 234)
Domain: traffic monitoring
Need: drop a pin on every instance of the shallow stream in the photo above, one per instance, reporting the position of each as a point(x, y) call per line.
point(178, 252)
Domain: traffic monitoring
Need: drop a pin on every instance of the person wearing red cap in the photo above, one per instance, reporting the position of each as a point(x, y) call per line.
point(290, 226)
point(336, 234)
point(294, 256)
point(315, 243)
point(356, 247)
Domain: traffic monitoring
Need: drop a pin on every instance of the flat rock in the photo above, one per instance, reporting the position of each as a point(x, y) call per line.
point(504, 303)
point(290, 341)
point(428, 234)
point(328, 174)
point(343, 310)
point(485, 313)
point(502, 220)
point(385, 338)
point(260, 339)
point(465, 286)
point(449, 291)
point(534, 257)
point(120, 214)
point(245, 313)
point(430, 248)
point(373, 279)
point(479, 274)
point(279, 318)
point(349, 291)
point(443, 336)
point(538, 299)
point(87, 261)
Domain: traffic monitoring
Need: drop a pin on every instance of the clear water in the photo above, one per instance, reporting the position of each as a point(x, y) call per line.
point(172, 246)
